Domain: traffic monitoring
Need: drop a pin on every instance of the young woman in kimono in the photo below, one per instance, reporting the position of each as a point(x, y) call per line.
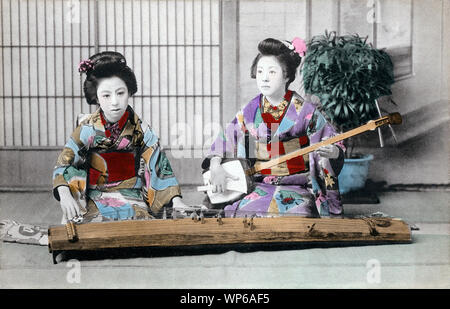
point(112, 167)
point(278, 121)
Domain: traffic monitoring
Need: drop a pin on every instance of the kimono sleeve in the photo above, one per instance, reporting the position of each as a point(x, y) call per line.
point(70, 163)
point(230, 143)
point(325, 172)
point(160, 185)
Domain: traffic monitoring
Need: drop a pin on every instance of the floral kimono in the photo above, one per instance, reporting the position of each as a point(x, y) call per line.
point(305, 186)
point(115, 171)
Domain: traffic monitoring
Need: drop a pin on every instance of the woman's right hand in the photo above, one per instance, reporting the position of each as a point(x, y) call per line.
point(219, 176)
point(68, 204)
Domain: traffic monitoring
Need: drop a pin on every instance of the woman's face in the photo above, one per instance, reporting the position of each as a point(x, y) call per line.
point(112, 94)
point(270, 77)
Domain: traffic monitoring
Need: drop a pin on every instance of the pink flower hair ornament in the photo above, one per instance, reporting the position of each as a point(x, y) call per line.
point(298, 45)
point(85, 66)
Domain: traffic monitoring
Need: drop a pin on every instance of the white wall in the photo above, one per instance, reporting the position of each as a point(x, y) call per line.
point(426, 85)
point(445, 49)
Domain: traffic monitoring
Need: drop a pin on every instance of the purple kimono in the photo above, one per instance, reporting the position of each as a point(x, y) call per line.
point(305, 186)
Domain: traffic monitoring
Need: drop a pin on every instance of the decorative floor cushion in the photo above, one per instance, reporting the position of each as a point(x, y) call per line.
point(12, 231)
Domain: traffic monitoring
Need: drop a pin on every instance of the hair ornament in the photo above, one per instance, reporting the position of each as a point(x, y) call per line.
point(85, 66)
point(299, 46)
point(288, 45)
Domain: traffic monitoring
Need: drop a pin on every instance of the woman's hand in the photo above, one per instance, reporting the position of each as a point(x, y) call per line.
point(68, 204)
point(328, 151)
point(219, 176)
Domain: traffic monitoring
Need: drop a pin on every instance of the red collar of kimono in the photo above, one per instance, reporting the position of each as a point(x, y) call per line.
point(121, 122)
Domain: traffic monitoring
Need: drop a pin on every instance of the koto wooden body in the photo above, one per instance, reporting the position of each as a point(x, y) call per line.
point(213, 231)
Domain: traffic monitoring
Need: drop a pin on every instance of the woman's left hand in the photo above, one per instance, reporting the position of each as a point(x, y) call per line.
point(328, 151)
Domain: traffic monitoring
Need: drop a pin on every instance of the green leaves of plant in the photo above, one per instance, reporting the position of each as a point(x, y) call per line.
point(347, 74)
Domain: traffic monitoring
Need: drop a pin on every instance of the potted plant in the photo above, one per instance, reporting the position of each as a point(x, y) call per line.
point(348, 75)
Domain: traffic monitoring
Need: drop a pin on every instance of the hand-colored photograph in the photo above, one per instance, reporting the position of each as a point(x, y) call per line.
point(224, 144)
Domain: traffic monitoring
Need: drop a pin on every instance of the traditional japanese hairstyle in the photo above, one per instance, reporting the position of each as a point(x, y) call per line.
point(103, 65)
point(287, 53)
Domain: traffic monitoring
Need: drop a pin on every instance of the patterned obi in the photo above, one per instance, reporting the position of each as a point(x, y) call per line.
point(267, 151)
